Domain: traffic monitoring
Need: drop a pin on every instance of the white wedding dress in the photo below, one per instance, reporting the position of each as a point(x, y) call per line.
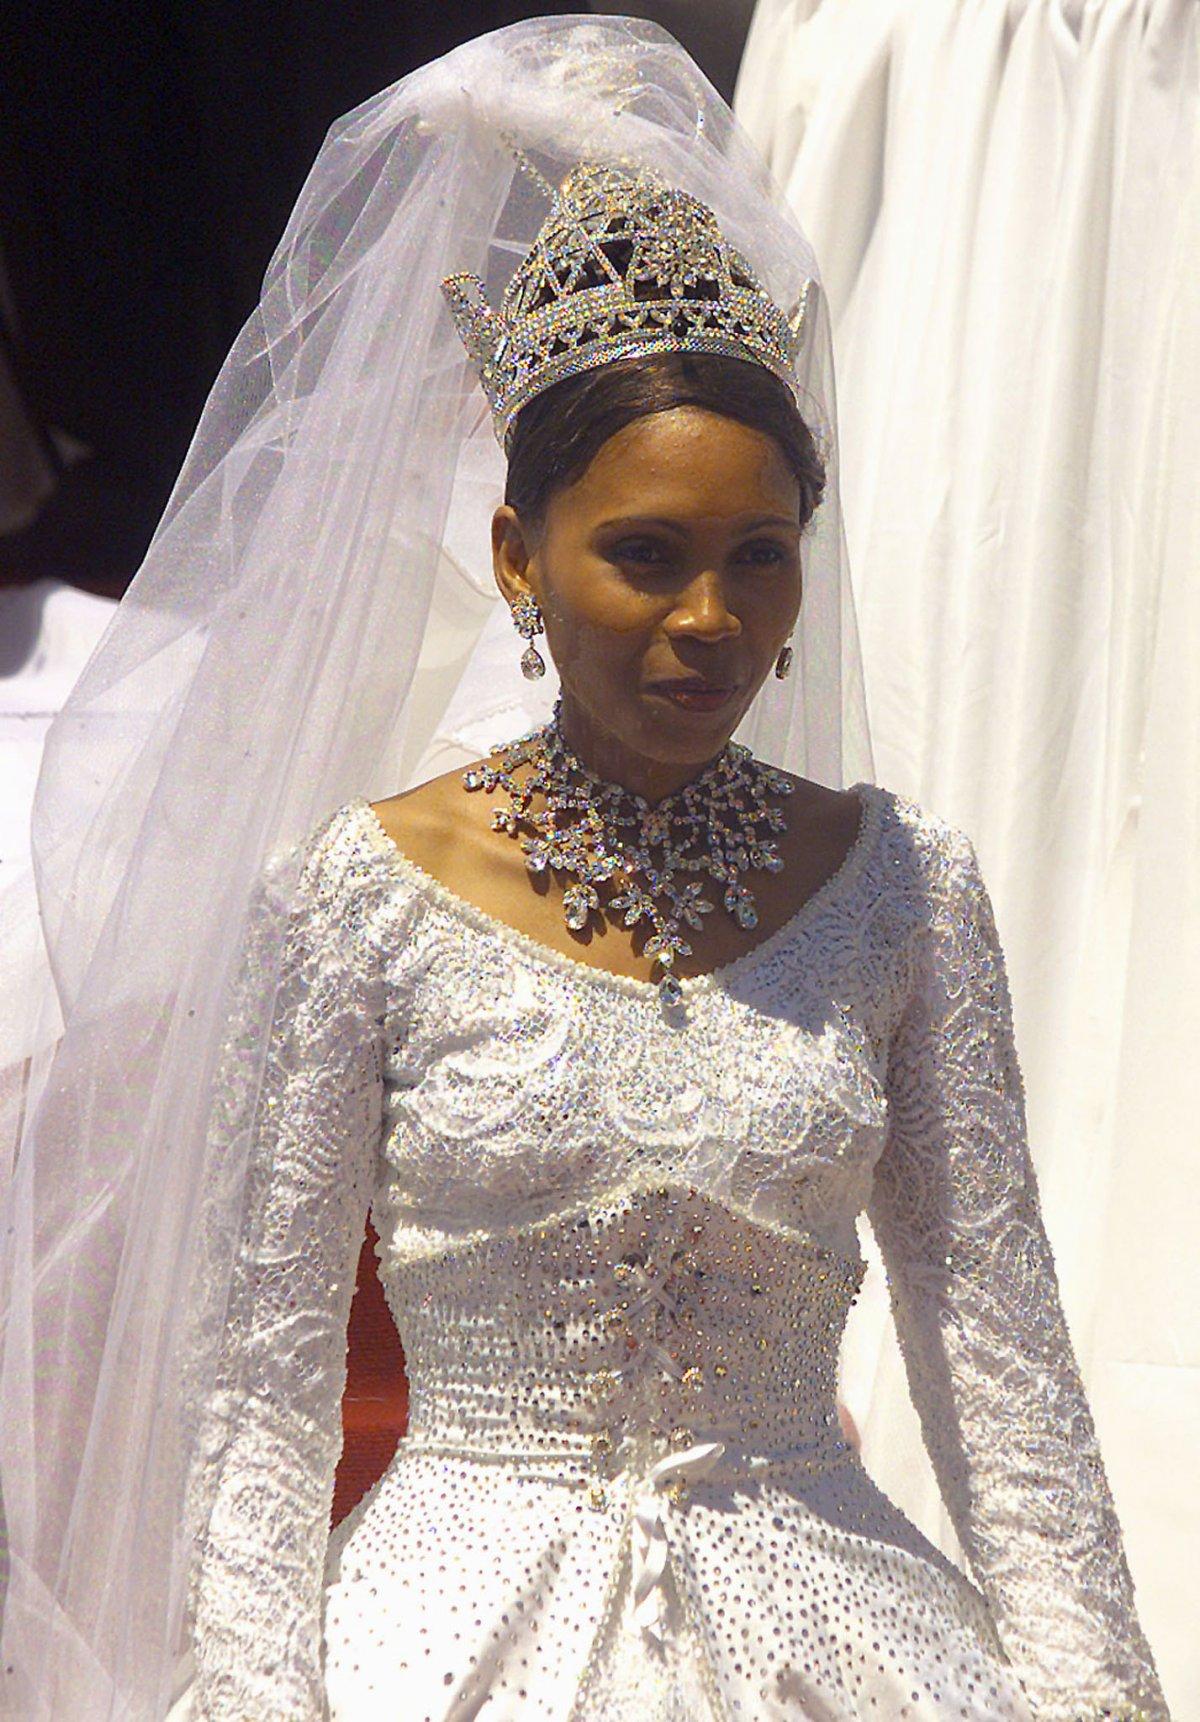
point(620, 1246)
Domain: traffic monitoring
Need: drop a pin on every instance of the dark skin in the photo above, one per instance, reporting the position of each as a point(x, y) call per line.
point(678, 552)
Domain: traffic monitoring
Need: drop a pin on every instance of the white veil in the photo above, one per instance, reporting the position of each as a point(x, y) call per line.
point(303, 617)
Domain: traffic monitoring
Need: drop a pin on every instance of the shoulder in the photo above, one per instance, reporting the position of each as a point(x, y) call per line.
point(941, 890)
point(428, 823)
point(836, 811)
point(825, 827)
point(921, 869)
point(447, 832)
point(340, 871)
point(922, 846)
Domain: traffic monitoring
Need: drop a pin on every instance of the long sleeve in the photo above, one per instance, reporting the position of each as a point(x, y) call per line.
point(274, 1434)
point(989, 1359)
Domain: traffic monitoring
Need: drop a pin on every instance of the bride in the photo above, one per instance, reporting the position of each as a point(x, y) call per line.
point(615, 1029)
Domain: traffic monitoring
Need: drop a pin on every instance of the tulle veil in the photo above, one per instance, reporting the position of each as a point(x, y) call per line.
point(315, 619)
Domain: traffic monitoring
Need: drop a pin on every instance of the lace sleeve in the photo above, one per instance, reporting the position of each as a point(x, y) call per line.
point(274, 1424)
point(989, 1359)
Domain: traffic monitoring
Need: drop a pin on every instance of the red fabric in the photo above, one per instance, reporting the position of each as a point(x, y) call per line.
point(375, 1403)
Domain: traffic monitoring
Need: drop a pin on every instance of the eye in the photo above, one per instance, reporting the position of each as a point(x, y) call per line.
point(643, 550)
point(650, 553)
point(774, 552)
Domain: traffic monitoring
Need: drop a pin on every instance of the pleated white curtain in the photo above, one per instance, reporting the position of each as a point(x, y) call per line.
point(1004, 196)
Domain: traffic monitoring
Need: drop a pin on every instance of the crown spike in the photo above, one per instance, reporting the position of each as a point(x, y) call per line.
point(474, 319)
point(800, 318)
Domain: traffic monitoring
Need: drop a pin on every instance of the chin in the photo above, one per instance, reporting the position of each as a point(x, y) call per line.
point(684, 737)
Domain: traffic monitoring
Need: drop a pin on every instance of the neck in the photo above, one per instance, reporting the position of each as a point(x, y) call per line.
point(610, 759)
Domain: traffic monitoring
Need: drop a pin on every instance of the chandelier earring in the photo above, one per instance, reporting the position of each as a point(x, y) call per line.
point(783, 662)
point(527, 619)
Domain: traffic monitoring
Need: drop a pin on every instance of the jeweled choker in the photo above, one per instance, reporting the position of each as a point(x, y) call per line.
point(720, 824)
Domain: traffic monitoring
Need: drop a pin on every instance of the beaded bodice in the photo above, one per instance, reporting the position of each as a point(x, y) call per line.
point(611, 1336)
point(620, 1249)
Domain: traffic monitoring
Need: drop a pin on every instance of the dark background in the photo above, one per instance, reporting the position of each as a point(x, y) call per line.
point(149, 159)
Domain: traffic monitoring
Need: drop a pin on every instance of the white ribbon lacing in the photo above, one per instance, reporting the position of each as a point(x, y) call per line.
point(650, 1547)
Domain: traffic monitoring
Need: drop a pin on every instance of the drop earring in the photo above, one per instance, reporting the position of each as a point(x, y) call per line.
point(527, 619)
point(783, 662)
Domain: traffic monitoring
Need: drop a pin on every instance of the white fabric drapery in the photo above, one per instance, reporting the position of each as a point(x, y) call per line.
point(47, 631)
point(1004, 199)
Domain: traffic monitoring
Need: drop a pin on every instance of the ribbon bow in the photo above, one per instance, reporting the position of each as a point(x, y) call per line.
point(650, 1546)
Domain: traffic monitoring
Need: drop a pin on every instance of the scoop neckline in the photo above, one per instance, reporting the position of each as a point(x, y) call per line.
point(482, 921)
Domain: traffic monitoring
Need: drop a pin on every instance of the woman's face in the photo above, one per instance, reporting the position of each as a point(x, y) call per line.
point(672, 563)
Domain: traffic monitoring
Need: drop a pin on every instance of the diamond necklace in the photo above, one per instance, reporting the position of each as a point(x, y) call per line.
point(721, 823)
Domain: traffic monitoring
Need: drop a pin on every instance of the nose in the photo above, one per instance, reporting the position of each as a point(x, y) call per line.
point(701, 611)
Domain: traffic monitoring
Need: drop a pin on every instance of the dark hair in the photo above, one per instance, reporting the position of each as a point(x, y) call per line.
point(557, 433)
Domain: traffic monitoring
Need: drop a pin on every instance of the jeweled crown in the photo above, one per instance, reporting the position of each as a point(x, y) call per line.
point(624, 263)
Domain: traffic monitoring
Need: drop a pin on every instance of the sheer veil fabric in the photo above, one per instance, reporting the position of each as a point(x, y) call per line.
point(293, 639)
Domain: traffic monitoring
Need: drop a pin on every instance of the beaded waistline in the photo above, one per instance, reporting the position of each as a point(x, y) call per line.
point(598, 1465)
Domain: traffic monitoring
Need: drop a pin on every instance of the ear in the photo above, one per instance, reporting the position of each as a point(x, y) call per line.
point(512, 555)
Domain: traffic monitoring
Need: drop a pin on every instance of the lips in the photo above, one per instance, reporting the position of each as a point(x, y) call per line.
point(694, 693)
point(692, 685)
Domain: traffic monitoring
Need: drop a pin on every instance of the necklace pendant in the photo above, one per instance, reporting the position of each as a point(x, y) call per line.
point(740, 904)
point(578, 903)
point(721, 825)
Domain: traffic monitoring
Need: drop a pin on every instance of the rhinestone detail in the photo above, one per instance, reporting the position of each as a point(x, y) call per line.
point(722, 823)
point(623, 264)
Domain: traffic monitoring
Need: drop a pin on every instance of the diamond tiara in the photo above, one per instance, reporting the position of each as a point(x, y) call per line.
point(623, 264)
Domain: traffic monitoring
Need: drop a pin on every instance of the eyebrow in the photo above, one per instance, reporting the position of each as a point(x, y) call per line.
point(751, 525)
